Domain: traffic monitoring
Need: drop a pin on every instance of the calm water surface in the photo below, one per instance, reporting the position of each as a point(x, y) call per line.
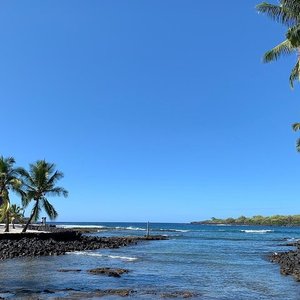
point(215, 262)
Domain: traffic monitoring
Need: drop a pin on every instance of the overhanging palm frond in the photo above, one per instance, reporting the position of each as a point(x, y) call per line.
point(296, 126)
point(55, 177)
point(298, 145)
point(291, 5)
point(295, 74)
point(283, 48)
point(50, 210)
point(293, 35)
point(26, 199)
point(58, 191)
point(279, 13)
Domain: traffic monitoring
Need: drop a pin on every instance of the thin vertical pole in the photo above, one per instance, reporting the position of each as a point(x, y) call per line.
point(148, 229)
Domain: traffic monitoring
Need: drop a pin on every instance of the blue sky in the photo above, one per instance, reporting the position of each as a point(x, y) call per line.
point(154, 110)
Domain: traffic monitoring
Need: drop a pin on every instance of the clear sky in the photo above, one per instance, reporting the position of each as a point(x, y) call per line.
point(154, 110)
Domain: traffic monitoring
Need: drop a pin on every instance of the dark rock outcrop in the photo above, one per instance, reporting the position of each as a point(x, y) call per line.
point(179, 294)
point(38, 244)
point(108, 271)
point(73, 294)
point(289, 262)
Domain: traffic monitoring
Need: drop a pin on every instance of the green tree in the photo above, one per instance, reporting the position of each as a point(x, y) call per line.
point(287, 13)
point(15, 214)
point(9, 180)
point(40, 183)
point(241, 220)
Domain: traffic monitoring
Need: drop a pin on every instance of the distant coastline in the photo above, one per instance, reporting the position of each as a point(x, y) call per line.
point(276, 220)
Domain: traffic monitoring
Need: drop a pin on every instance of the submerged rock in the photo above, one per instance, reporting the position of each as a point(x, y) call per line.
point(108, 272)
point(177, 294)
point(78, 295)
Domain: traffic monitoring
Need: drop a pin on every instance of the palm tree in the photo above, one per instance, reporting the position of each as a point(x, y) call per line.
point(8, 181)
point(287, 13)
point(39, 183)
point(16, 214)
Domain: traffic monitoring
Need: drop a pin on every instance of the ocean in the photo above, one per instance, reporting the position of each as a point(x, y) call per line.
point(212, 262)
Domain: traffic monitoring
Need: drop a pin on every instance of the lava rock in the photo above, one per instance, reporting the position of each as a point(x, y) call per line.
point(108, 271)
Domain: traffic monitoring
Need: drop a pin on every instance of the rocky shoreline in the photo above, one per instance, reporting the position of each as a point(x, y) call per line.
point(289, 261)
point(73, 294)
point(59, 243)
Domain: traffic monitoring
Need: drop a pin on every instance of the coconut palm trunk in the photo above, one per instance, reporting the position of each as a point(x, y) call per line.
point(7, 222)
point(34, 212)
point(5, 212)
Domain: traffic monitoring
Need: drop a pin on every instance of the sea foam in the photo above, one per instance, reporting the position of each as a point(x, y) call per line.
point(257, 231)
point(80, 226)
point(87, 253)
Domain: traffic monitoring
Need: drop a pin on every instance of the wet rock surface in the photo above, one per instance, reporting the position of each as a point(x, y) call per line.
point(289, 262)
point(68, 294)
point(108, 271)
point(40, 245)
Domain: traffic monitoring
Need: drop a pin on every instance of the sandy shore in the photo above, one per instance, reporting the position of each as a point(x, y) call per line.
point(18, 229)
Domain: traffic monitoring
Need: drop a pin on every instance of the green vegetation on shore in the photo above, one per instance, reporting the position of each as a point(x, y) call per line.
point(278, 220)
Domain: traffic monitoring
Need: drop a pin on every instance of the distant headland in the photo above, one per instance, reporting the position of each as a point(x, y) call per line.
point(277, 220)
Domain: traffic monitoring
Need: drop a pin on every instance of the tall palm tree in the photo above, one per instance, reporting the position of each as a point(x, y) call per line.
point(16, 214)
point(287, 13)
point(39, 183)
point(9, 180)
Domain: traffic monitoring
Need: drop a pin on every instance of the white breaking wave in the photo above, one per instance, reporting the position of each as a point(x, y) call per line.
point(292, 240)
point(80, 226)
point(171, 230)
point(126, 258)
point(86, 253)
point(128, 228)
point(257, 231)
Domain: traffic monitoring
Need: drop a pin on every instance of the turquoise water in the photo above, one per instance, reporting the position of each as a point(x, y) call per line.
point(215, 262)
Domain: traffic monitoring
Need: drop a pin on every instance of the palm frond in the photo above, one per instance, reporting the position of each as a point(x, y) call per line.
point(36, 211)
point(283, 48)
point(55, 177)
point(298, 145)
point(295, 74)
point(293, 5)
point(50, 210)
point(57, 191)
point(16, 212)
point(280, 13)
point(296, 126)
point(293, 35)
